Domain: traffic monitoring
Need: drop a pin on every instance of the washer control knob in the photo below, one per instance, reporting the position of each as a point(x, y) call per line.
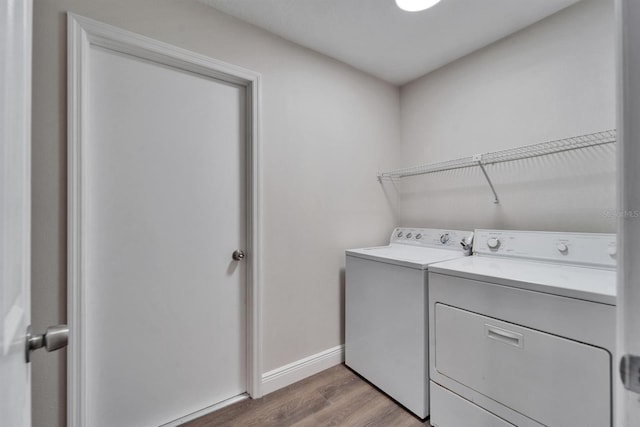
point(444, 238)
point(399, 234)
point(562, 248)
point(612, 251)
point(409, 235)
point(418, 236)
point(493, 243)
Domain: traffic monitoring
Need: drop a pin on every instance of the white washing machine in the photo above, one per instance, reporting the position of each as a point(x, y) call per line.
point(386, 310)
point(522, 333)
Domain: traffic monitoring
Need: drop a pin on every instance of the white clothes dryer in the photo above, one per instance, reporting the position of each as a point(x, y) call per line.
point(522, 333)
point(386, 310)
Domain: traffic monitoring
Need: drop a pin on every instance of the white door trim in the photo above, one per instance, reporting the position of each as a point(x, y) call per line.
point(626, 403)
point(83, 33)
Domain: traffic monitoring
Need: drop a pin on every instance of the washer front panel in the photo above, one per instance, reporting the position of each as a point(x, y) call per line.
point(386, 329)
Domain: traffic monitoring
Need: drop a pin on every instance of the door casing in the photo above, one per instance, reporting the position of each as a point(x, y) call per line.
point(627, 404)
point(83, 34)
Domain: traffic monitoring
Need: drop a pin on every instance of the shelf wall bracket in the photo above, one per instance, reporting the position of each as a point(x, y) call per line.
point(478, 158)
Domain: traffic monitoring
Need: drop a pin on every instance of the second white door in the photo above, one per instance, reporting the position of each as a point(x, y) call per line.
point(164, 209)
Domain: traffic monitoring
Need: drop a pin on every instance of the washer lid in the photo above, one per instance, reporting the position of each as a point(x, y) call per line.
point(406, 255)
point(586, 283)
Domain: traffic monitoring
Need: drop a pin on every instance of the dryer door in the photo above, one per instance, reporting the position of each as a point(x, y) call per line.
point(553, 380)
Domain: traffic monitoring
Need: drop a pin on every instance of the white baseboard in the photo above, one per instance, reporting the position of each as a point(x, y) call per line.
point(207, 410)
point(301, 369)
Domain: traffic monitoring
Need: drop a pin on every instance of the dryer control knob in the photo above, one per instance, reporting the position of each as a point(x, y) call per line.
point(444, 238)
point(562, 248)
point(493, 243)
point(409, 235)
point(399, 234)
point(418, 236)
point(612, 251)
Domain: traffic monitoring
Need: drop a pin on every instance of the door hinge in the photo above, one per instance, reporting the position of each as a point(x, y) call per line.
point(630, 372)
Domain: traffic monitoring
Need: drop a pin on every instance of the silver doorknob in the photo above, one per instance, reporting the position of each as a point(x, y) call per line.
point(55, 338)
point(238, 255)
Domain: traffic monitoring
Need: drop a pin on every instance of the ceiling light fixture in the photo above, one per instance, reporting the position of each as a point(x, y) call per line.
point(416, 5)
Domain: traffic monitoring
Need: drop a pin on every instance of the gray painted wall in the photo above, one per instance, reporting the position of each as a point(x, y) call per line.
point(326, 129)
point(553, 80)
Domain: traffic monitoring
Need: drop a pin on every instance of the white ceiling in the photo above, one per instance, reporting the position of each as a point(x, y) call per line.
point(380, 39)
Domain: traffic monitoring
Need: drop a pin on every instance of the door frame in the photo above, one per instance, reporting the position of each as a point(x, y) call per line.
point(83, 34)
point(626, 402)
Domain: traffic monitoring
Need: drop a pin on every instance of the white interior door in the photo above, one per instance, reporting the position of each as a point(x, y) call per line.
point(15, 210)
point(628, 401)
point(163, 201)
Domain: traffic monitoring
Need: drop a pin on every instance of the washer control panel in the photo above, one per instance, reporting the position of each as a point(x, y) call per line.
point(431, 237)
point(592, 249)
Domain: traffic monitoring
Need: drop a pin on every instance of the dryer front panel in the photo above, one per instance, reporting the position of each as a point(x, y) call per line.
point(553, 380)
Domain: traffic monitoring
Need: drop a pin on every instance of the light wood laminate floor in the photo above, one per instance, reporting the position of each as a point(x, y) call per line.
point(335, 397)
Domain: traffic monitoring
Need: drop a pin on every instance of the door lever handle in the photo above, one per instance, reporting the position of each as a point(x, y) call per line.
point(55, 338)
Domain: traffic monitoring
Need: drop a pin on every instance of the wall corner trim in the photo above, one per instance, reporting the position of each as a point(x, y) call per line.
point(301, 369)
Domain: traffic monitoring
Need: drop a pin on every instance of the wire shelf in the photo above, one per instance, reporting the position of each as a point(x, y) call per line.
point(512, 154)
point(551, 147)
point(465, 162)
